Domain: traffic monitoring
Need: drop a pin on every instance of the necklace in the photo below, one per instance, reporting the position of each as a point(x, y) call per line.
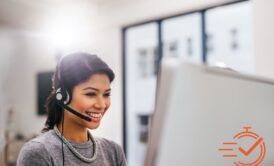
point(74, 151)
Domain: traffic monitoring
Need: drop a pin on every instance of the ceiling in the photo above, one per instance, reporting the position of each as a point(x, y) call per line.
point(26, 14)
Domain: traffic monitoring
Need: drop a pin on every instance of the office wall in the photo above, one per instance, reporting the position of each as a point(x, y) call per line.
point(6, 50)
point(31, 57)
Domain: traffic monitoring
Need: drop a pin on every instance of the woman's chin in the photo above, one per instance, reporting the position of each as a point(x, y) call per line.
point(92, 125)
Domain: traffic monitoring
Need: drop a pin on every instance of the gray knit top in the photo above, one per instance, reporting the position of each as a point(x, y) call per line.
point(46, 150)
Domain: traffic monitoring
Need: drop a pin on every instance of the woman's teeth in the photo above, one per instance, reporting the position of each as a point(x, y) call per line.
point(94, 115)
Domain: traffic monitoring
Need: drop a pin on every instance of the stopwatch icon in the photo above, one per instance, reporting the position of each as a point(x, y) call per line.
point(251, 154)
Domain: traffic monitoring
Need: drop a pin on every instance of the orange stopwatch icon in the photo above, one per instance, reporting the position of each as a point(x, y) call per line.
point(247, 148)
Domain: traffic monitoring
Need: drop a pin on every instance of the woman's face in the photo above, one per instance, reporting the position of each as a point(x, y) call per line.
point(92, 99)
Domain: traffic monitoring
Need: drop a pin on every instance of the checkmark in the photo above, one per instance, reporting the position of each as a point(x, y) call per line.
point(252, 148)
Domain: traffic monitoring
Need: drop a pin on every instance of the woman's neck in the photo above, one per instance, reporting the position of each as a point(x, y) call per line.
point(74, 132)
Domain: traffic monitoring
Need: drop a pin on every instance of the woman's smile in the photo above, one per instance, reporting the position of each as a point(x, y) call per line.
point(95, 116)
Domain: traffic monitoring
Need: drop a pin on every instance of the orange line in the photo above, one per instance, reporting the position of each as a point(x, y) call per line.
point(246, 153)
point(232, 155)
point(230, 143)
point(225, 149)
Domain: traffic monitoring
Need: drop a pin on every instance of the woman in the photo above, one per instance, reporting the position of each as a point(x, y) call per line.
point(80, 97)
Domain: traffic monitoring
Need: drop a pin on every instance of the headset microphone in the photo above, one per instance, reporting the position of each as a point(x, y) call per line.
point(60, 101)
point(74, 112)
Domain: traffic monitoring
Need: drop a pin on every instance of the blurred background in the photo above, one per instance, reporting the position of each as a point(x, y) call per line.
point(132, 37)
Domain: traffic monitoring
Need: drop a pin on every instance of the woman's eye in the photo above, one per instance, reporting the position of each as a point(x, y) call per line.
point(107, 94)
point(90, 94)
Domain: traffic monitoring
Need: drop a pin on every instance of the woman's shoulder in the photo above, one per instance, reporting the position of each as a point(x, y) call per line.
point(32, 146)
point(34, 152)
point(47, 138)
point(38, 144)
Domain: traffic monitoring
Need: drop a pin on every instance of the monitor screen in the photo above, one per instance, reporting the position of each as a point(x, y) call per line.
point(211, 116)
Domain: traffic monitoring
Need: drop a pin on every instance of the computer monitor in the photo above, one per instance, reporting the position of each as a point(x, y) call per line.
point(211, 116)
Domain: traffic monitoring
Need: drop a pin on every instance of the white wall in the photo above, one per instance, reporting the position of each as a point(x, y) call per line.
point(30, 58)
point(7, 40)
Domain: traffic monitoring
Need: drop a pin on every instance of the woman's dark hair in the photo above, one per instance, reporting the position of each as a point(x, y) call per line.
point(72, 70)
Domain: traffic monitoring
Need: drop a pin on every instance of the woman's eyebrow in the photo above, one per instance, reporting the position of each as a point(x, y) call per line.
point(87, 88)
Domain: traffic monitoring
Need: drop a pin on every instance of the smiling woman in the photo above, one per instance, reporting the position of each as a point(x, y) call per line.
point(79, 99)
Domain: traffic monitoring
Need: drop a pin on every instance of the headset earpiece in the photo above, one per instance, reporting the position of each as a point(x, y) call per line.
point(62, 96)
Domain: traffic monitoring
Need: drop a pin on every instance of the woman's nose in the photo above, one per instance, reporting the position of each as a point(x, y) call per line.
point(100, 103)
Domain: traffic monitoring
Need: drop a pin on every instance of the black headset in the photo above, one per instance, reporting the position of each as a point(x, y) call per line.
point(62, 95)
